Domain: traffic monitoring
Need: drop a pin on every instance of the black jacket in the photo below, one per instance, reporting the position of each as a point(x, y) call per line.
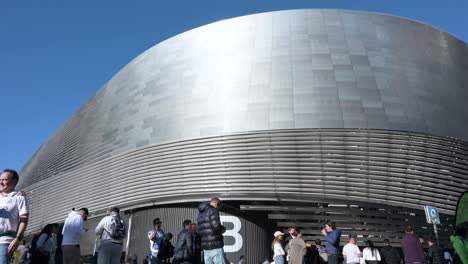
point(184, 247)
point(435, 254)
point(390, 255)
point(209, 227)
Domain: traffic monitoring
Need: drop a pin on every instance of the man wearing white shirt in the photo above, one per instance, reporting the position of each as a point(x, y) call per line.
point(72, 231)
point(351, 252)
point(14, 213)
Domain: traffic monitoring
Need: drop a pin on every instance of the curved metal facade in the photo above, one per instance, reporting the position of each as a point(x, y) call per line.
point(290, 107)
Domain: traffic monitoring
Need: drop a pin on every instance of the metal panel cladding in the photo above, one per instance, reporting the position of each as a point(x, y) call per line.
point(315, 73)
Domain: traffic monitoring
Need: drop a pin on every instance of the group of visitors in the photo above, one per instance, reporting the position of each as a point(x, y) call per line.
point(194, 240)
point(200, 242)
point(294, 250)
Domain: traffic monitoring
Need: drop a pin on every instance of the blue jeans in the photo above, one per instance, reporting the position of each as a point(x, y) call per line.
point(5, 257)
point(214, 256)
point(279, 259)
point(333, 259)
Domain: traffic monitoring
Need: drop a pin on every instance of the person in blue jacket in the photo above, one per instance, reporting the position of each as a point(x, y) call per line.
point(333, 235)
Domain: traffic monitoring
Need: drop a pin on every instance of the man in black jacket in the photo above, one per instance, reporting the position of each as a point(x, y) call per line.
point(211, 231)
point(390, 255)
point(183, 253)
point(435, 254)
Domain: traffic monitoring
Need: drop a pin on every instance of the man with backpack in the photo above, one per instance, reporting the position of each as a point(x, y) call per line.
point(112, 230)
point(166, 249)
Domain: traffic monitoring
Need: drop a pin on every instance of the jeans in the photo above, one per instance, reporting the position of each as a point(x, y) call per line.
point(333, 259)
point(214, 256)
point(109, 252)
point(279, 259)
point(5, 257)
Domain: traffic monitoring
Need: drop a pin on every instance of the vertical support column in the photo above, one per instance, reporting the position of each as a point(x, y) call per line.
point(436, 234)
point(129, 232)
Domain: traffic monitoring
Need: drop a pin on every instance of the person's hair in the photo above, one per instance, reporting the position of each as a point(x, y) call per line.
point(352, 237)
point(114, 209)
point(276, 240)
point(432, 240)
point(85, 210)
point(331, 224)
point(317, 241)
point(47, 230)
point(298, 230)
point(370, 245)
point(291, 228)
point(215, 199)
point(13, 173)
point(241, 257)
point(408, 229)
point(186, 223)
point(156, 221)
point(386, 241)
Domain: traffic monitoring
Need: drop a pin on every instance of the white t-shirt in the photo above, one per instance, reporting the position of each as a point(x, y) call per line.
point(367, 254)
point(154, 247)
point(351, 251)
point(11, 207)
point(72, 229)
point(278, 250)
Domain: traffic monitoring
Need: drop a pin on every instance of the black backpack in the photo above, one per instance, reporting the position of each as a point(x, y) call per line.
point(166, 249)
point(117, 229)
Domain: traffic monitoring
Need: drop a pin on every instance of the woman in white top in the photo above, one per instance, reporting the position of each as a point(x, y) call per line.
point(278, 251)
point(370, 254)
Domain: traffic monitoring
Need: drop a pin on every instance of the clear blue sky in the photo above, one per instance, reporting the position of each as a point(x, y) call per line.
point(55, 55)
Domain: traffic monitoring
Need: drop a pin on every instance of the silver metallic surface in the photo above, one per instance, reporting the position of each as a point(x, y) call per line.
point(399, 169)
point(290, 106)
point(278, 70)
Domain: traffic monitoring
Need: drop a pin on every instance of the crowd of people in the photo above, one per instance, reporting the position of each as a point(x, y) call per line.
point(294, 250)
point(197, 243)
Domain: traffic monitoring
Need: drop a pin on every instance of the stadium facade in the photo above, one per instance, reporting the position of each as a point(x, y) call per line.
point(290, 117)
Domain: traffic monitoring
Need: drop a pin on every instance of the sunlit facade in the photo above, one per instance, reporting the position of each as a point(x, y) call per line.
point(290, 117)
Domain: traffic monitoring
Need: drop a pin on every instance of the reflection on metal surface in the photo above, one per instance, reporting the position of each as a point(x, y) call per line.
point(278, 70)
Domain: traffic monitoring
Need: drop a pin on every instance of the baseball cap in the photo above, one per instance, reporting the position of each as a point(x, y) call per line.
point(278, 233)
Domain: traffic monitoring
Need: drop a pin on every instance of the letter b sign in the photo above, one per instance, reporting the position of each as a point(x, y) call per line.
point(233, 233)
